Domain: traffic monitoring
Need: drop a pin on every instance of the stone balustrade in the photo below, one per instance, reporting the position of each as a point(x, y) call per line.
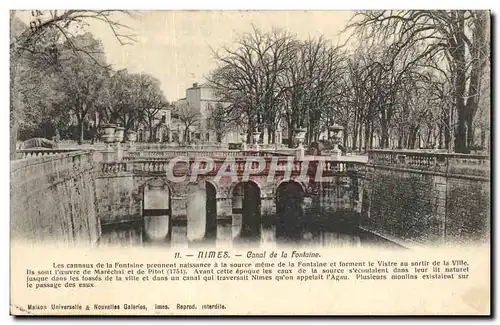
point(205, 146)
point(147, 154)
point(449, 163)
point(56, 162)
point(175, 146)
point(38, 152)
point(240, 164)
point(114, 167)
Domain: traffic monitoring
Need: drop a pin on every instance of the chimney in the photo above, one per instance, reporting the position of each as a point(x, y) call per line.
point(195, 85)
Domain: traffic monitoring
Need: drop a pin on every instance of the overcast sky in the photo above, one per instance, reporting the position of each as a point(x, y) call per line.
point(174, 46)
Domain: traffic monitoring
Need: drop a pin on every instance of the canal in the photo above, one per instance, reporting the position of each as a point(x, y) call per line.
point(291, 224)
point(227, 235)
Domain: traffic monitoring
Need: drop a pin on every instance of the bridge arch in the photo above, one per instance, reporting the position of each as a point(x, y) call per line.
point(157, 182)
point(255, 182)
point(278, 184)
point(215, 185)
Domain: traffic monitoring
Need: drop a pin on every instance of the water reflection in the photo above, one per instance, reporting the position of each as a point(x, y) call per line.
point(227, 235)
point(156, 228)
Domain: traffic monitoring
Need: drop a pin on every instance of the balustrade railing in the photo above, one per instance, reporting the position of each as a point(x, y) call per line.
point(176, 146)
point(53, 166)
point(238, 165)
point(114, 167)
point(39, 152)
point(146, 154)
point(432, 161)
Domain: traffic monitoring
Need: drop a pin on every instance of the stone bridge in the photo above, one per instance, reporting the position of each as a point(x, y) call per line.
point(409, 198)
point(247, 188)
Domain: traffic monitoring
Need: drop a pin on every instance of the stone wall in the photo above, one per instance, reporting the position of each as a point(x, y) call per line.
point(52, 199)
point(415, 198)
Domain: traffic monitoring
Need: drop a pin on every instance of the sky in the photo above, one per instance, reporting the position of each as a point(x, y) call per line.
point(175, 46)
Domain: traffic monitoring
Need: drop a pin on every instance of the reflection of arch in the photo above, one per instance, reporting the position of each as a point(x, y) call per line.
point(201, 210)
point(289, 210)
point(246, 205)
point(156, 209)
point(211, 211)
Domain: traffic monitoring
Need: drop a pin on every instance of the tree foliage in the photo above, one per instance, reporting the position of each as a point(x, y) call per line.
point(408, 79)
point(453, 43)
point(188, 116)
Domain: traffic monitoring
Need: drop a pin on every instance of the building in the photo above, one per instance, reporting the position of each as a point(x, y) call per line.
point(201, 98)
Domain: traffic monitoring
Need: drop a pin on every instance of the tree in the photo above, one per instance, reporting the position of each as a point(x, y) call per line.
point(218, 120)
point(133, 98)
point(41, 38)
point(151, 100)
point(81, 78)
point(188, 116)
point(311, 85)
point(458, 38)
point(271, 76)
point(36, 115)
point(125, 96)
point(247, 77)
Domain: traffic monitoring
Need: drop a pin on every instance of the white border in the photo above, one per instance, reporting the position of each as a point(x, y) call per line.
point(185, 4)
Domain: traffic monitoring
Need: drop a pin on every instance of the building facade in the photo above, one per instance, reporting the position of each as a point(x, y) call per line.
point(201, 98)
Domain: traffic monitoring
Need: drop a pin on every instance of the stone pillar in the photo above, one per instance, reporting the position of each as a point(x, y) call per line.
point(131, 138)
point(108, 153)
point(366, 204)
point(237, 210)
point(119, 151)
point(243, 138)
point(256, 137)
point(266, 137)
point(335, 139)
point(118, 139)
point(300, 153)
point(299, 137)
point(277, 138)
point(108, 138)
point(196, 212)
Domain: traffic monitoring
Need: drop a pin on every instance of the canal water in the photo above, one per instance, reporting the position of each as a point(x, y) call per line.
point(291, 225)
point(227, 235)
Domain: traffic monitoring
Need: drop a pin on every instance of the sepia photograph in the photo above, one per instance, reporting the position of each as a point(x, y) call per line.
point(203, 133)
